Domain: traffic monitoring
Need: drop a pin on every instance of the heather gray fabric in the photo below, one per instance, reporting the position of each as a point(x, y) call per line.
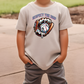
point(42, 26)
point(56, 74)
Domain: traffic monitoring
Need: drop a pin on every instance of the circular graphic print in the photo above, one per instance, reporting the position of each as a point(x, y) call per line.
point(43, 26)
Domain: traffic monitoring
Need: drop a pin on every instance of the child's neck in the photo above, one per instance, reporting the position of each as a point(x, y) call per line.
point(43, 3)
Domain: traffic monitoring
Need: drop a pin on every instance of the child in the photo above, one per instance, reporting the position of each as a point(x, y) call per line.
point(42, 40)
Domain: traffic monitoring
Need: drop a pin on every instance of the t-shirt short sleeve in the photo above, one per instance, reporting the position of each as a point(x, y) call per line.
point(65, 19)
point(21, 24)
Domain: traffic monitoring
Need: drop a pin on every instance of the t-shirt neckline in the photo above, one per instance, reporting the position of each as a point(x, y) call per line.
point(43, 7)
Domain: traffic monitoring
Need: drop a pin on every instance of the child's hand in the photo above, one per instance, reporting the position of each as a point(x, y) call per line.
point(26, 60)
point(60, 59)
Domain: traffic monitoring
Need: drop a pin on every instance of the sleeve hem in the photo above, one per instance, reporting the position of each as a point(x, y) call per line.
point(66, 27)
point(20, 29)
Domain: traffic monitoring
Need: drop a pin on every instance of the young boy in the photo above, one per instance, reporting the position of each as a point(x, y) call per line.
point(42, 40)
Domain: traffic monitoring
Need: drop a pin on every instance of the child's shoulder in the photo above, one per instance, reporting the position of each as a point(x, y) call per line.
point(61, 6)
point(26, 7)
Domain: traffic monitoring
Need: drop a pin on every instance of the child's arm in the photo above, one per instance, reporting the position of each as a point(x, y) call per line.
point(20, 45)
point(63, 45)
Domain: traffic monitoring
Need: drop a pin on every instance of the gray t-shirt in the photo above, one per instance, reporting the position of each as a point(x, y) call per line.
point(42, 26)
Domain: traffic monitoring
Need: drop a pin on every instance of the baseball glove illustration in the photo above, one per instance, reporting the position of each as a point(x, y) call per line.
point(43, 26)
